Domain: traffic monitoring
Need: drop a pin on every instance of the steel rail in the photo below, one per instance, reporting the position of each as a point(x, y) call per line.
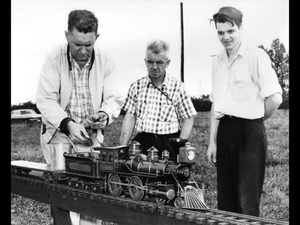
point(123, 210)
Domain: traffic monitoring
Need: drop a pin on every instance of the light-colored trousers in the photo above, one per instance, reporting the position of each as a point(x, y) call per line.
point(76, 218)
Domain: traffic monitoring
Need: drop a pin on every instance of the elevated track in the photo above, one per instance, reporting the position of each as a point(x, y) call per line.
point(115, 209)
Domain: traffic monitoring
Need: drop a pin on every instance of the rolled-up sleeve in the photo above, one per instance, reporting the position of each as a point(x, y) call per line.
point(130, 102)
point(267, 78)
point(186, 107)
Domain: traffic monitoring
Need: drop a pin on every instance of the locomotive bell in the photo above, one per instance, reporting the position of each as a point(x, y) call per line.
point(187, 153)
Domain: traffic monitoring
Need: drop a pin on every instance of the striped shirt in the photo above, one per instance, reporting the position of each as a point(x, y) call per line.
point(159, 110)
point(80, 103)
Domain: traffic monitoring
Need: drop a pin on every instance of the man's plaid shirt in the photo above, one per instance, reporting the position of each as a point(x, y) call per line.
point(159, 111)
point(80, 103)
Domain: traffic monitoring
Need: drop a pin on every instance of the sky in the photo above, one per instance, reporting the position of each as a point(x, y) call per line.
point(127, 26)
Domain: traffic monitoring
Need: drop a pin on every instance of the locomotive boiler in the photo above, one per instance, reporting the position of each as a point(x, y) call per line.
point(124, 170)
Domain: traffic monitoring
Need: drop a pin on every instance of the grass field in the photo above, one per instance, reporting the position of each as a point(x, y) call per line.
point(275, 197)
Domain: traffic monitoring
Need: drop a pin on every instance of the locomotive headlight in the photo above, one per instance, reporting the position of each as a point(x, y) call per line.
point(191, 155)
point(187, 153)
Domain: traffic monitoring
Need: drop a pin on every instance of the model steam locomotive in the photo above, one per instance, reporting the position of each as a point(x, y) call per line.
point(124, 170)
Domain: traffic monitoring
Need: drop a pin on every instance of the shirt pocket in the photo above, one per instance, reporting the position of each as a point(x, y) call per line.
point(141, 109)
point(241, 83)
point(167, 113)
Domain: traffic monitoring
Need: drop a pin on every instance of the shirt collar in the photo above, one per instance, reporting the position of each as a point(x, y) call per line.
point(164, 84)
point(71, 60)
point(241, 51)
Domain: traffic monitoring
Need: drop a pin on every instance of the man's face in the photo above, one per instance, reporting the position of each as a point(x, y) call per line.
point(81, 44)
point(156, 64)
point(230, 36)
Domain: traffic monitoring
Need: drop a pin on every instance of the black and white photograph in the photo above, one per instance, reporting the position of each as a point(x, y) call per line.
point(149, 112)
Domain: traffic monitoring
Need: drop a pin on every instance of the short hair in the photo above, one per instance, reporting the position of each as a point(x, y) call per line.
point(83, 20)
point(228, 14)
point(158, 46)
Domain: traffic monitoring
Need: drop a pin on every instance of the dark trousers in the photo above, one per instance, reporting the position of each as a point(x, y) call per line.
point(241, 154)
point(160, 142)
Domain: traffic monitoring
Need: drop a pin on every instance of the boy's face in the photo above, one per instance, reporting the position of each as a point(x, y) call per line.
point(229, 36)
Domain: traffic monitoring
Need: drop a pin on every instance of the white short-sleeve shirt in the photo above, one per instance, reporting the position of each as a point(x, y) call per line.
point(240, 87)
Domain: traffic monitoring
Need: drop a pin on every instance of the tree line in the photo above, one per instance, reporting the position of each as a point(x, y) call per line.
point(201, 104)
point(280, 63)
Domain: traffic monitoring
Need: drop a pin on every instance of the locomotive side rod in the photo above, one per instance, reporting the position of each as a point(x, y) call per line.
point(128, 185)
point(120, 210)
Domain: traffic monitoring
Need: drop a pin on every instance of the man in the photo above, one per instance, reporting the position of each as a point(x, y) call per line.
point(245, 92)
point(77, 93)
point(157, 106)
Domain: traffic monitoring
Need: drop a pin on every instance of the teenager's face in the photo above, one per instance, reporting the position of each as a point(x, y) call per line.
point(229, 36)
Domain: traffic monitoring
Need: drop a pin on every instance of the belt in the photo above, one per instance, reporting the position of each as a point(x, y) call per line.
point(156, 135)
point(229, 117)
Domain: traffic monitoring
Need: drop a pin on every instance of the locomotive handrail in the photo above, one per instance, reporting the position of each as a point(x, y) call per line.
point(196, 182)
point(179, 185)
point(141, 173)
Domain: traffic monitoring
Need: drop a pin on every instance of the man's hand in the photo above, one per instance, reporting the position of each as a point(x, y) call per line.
point(212, 154)
point(212, 147)
point(77, 133)
point(99, 120)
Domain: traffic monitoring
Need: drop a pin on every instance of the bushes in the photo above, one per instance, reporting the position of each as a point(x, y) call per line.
point(26, 105)
point(202, 104)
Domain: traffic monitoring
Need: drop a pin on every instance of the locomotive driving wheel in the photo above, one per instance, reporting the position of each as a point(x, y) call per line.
point(114, 186)
point(135, 192)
